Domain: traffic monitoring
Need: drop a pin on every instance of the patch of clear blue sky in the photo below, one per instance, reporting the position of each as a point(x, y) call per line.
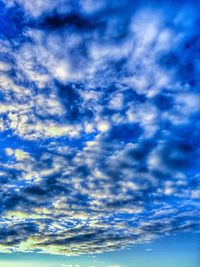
point(180, 250)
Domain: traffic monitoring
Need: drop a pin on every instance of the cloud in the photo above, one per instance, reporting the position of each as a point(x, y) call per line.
point(99, 124)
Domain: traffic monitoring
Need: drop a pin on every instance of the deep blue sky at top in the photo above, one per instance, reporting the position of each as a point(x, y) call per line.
point(99, 124)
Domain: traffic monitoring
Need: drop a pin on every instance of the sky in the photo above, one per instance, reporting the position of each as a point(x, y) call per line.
point(177, 250)
point(99, 133)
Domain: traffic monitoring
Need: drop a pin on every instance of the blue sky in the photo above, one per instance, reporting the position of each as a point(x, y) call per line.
point(99, 127)
point(177, 250)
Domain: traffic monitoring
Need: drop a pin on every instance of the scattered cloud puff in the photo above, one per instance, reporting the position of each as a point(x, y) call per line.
point(99, 124)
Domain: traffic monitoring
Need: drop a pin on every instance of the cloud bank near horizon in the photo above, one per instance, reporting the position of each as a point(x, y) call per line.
point(99, 124)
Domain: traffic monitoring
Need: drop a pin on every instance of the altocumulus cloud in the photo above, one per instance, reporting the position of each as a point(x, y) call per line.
point(99, 123)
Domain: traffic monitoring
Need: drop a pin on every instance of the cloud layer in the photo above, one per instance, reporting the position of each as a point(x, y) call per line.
point(99, 124)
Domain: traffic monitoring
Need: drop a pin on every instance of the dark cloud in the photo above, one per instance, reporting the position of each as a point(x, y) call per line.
point(76, 21)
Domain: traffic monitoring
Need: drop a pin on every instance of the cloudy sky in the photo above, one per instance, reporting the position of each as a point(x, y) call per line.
point(99, 129)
